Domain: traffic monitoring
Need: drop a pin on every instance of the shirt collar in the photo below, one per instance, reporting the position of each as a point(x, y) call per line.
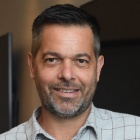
point(33, 128)
point(94, 120)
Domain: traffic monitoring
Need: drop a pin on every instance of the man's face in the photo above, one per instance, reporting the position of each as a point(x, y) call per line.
point(65, 69)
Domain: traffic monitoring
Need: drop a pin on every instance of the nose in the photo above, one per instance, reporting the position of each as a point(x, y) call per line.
point(66, 71)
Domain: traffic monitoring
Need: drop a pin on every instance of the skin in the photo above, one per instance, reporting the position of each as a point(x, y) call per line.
point(65, 71)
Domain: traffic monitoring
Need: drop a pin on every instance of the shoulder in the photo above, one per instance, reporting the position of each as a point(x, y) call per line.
point(107, 114)
point(114, 125)
point(24, 131)
point(15, 133)
point(116, 120)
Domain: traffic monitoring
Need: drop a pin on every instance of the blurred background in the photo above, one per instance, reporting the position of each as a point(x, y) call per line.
point(118, 89)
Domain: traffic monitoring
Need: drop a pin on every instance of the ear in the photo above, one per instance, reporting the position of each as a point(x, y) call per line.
point(100, 63)
point(31, 65)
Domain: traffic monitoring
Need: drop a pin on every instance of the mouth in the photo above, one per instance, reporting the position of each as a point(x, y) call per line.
point(66, 90)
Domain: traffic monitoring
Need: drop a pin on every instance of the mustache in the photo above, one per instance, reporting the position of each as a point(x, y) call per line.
point(65, 84)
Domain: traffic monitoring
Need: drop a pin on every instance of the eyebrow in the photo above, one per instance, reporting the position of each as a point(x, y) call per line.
point(58, 55)
point(83, 55)
point(50, 53)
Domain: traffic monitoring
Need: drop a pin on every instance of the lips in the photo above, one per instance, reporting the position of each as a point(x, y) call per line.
point(67, 90)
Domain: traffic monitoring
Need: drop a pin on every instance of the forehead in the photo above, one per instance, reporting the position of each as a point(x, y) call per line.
point(67, 38)
point(75, 30)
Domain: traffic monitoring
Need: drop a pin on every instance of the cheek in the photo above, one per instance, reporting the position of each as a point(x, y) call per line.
point(88, 77)
point(46, 76)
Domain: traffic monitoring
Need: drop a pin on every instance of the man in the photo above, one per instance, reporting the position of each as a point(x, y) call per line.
point(65, 63)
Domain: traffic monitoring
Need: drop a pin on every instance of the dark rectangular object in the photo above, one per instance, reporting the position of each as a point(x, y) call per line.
point(5, 82)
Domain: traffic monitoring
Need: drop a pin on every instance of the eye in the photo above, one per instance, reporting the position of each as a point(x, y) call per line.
point(51, 61)
point(82, 62)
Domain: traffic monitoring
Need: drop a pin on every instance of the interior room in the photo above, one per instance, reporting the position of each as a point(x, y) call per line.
point(118, 89)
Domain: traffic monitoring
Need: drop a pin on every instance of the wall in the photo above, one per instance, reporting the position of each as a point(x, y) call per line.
point(118, 19)
point(17, 17)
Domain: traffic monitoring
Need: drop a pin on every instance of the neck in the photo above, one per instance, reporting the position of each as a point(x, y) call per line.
point(61, 128)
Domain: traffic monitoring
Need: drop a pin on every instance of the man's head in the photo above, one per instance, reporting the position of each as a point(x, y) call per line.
point(64, 60)
point(66, 15)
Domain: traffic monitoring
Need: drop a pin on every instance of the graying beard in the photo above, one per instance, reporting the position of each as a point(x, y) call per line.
point(52, 107)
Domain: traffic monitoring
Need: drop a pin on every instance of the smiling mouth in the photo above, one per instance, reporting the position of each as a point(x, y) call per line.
point(67, 90)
